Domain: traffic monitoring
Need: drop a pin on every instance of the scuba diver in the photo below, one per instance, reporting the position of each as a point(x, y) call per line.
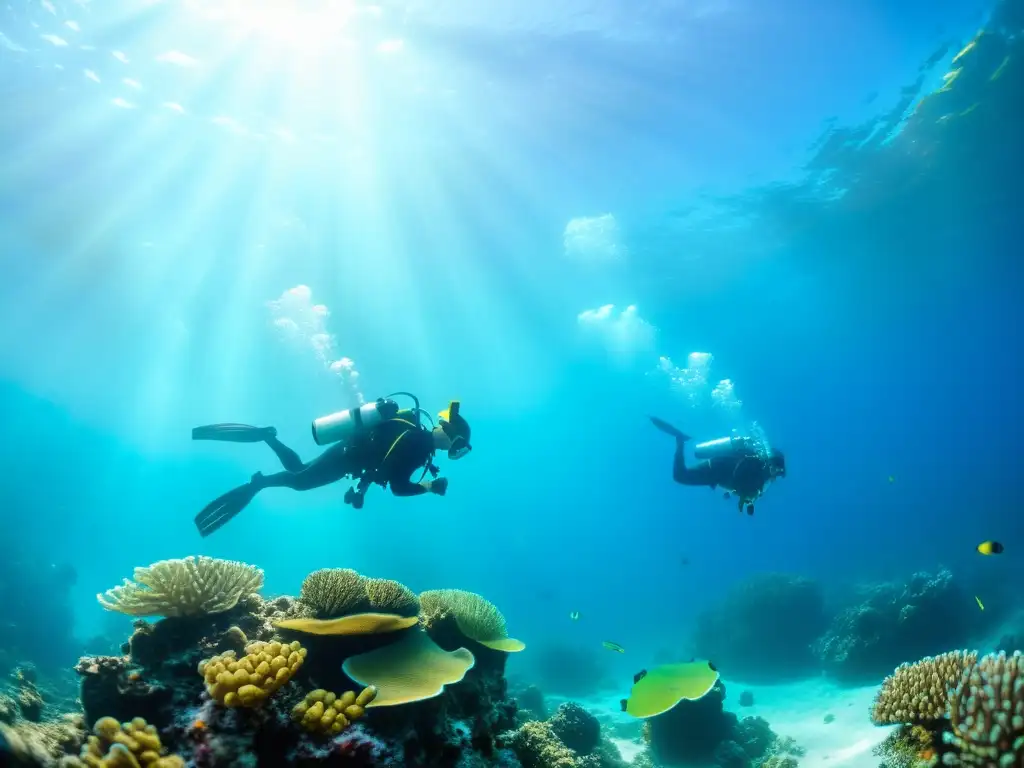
point(375, 443)
point(730, 462)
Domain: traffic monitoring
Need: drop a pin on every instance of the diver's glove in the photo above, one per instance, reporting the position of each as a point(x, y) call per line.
point(439, 486)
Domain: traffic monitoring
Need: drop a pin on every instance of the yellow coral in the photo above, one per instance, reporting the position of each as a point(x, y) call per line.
point(130, 745)
point(920, 692)
point(188, 587)
point(328, 714)
point(412, 669)
point(249, 681)
point(356, 624)
point(335, 592)
point(477, 619)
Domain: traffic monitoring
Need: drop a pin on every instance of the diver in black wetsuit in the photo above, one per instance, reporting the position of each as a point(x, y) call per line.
point(734, 466)
point(376, 443)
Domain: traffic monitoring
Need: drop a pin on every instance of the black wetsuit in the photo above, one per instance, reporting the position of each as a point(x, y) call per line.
point(389, 454)
point(744, 476)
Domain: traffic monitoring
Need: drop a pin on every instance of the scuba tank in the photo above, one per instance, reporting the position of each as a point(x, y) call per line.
point(344, 424)
point(725, 447)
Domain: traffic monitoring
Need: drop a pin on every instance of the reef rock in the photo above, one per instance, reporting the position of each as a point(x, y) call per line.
point(892, 623)
point(764, 630)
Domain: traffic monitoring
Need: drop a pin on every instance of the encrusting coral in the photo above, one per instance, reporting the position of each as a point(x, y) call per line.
point(327, 714)
point(130, 745)
point(191, 586)
point(335, 592)
point(920, 692)
point(477, 619)
point(251, 680)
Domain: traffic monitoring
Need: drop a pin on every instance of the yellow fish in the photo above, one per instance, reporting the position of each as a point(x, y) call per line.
point(613, 646)
point(990, 548)
point(978, 600)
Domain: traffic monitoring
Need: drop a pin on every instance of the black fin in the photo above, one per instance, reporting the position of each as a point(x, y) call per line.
point(221, 510)
point(639, 676)
point(233, 433)
point(712, 667)
point(668, 429)
point(622, 703)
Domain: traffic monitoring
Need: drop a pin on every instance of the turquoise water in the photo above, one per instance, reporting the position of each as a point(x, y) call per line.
point(568, 218)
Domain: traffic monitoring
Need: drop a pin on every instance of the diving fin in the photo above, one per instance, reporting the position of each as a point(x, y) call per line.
point(233, 433)
point(221, 510)
point(668, 429)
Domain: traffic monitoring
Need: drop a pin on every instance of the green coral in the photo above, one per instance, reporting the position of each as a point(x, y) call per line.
point(335, 592)
point(537, 746)
point(478, 619)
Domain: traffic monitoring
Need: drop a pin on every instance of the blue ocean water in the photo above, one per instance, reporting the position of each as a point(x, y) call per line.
point(569, 218)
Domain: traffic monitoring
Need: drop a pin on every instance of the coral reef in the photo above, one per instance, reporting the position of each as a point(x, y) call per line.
point(192, 586)
point(893, 623)
point(530, 704)
point(231, 686)
point(476, 618)
point(328, 714)
point(251, 680)
point(764, 629)
point(113, 745)
point(696, 732)
point(335, 592)
point(966, 709)
point(570, 739)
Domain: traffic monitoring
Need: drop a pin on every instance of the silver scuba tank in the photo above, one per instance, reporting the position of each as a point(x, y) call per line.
point(343, 424)
point(725, 447)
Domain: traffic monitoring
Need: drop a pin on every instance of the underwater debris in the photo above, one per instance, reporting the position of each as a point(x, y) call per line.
point(191, 586)
point(335, 592)
point(411, 669)
point(251, 680)
point(477, 619)
point(327, 714)
point(355, 624)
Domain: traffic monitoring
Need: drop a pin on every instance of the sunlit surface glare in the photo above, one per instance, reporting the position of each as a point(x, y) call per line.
point(306, 26)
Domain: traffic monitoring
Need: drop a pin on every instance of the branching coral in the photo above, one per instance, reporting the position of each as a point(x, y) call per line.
point(328, 714)
point(187, 587)
point(249, 681)
point(131, 745)
point(920, 692)
point(336, 592)
point(987, 714)
point(477, 618)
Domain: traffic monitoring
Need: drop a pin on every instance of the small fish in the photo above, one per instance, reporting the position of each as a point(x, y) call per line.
point(892, 479)
point(990, 548)
point(575, 615)
point(684, 560)
point(613, 646)
point(978, 600)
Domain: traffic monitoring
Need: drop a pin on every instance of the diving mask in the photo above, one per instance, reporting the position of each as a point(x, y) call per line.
point(456, 429)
